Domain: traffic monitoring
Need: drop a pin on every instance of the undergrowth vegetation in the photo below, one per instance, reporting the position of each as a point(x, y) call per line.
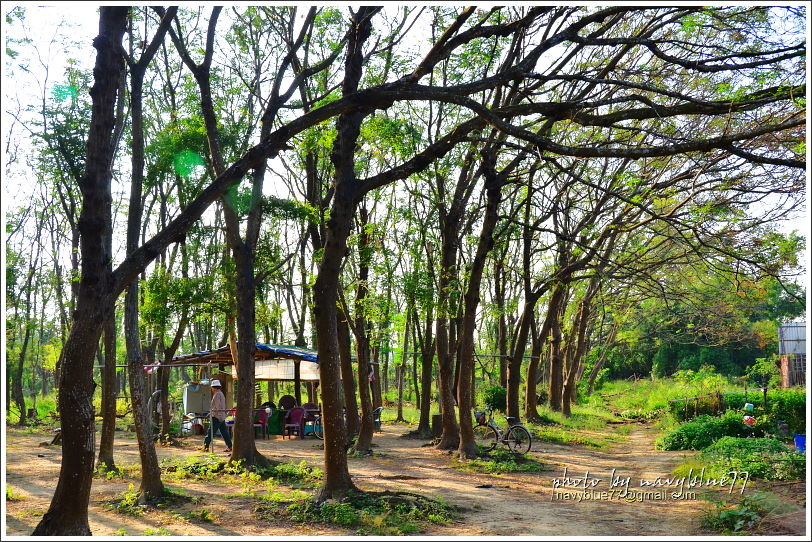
point(382, 514)
point(704, 430)
point(500, 461)
point(646, 398)
point(761, 458)
point(738, 518)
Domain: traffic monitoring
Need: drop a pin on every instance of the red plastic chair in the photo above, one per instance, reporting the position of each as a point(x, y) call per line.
point(261, 421)
point(294, 423)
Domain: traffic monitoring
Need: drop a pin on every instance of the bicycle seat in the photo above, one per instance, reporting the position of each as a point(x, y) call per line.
point(510, 420)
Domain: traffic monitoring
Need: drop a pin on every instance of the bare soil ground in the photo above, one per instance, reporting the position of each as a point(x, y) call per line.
point(520, 504)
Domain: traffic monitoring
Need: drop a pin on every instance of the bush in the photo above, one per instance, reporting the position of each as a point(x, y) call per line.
point(496, 397)
point(739, 518)
point(764, 372)
point(764, 458)
point(788, 405)
point(705, 430)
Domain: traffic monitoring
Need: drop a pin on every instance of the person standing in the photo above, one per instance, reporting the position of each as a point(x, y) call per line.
point(218, 417)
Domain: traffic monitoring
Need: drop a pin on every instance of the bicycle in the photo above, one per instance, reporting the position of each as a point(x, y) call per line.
point(318, 428)
point(488, 433)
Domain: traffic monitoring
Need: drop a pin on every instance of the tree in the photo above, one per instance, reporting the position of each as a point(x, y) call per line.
point(67, 514)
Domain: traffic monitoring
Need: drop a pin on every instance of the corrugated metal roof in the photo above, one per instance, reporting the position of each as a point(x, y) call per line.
point(792, 338)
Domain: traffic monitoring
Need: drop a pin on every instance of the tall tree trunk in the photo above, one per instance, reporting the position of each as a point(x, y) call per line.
point(366, 371)
point(400, 369)
point(17, 373)
point(556, 365)
point(152, 487)
point(163, 373)
point(347, 376)
point(427, 349)
point(337, 481)
point(106, 460)
point(501, 326)
point(531, 395)
point(67, 514)
point(517, 354)
point(17, 379)
point(576, 352)
point(468, 447)
point(242, 251)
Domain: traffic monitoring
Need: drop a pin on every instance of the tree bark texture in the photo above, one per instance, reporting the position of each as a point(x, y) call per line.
point(337, 480)
point(364, 442)
point(468, 447)
point(67, 514)
point(347, 376)
point(106, 460)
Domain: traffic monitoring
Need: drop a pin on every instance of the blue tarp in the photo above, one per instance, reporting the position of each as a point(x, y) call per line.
point(290, 351)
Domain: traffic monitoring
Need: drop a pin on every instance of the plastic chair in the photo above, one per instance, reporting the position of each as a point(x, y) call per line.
point(376, 418)
point(309, 416)
point(261, 421)
point(287, 402)
point(294, 423)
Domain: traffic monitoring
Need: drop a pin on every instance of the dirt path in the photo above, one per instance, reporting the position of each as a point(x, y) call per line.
point(524, 504)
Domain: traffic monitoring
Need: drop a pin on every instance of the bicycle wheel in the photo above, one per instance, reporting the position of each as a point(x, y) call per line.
point(318, 429)
point(518, 439)
point(485, 436)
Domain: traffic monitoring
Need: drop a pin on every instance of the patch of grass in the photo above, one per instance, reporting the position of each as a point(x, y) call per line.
point(649, 398)
point(121, 532)
point(623, 429)
point(285, 496)
point(563, 436)
point(12, 495)
point(129, 504)
point(386, 513)
point(198, 466)
point(201, 515)
point(30, 513)
point(300, 473)
point(160, 531)
point(591, 416)
point(500, 461)
point(207, 467)
point(121, 472)
point(248, 490)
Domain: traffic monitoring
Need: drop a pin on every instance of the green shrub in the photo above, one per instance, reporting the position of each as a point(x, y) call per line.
point(729, 518)
point(764, 458)
point(130, 504)
point(788, 405)
point(764, 372)
point(705, 430)
point(202, 466)
point(496, 397)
